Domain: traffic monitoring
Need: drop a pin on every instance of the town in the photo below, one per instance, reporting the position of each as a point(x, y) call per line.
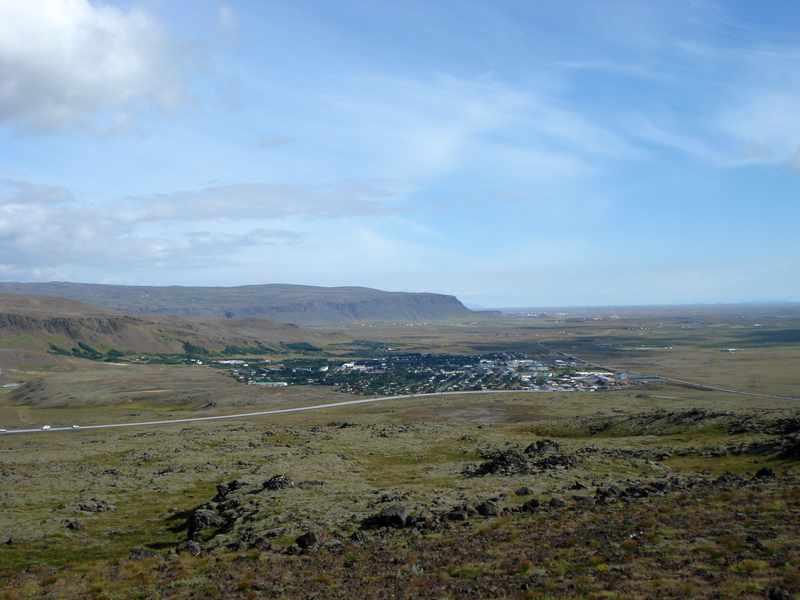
point(414, 373)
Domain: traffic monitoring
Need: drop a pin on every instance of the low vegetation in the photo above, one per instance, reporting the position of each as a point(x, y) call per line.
point(659, 489)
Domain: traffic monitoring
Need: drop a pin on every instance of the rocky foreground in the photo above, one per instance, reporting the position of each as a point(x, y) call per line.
point(697, 537)
point(578, 515)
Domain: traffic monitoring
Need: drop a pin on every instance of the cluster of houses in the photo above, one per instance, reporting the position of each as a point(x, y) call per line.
point(429, 373)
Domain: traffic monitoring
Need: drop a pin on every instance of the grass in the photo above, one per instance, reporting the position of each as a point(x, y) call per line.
point(410, 451)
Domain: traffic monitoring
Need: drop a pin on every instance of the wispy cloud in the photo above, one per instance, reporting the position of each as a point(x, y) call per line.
point(249, 201)
point(47, 227)
point(44, 227)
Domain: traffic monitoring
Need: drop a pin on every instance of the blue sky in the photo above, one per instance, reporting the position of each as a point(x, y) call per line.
point(512, 153)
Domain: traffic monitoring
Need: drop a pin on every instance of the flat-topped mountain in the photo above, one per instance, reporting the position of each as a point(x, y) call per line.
point(299, 304)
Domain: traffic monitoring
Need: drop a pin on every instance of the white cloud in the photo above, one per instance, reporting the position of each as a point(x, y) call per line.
point(71, 65)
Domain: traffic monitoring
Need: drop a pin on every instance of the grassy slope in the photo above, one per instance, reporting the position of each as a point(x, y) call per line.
point(30, 325)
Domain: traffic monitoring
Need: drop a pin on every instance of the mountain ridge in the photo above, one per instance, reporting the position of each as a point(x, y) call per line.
point(286, 303)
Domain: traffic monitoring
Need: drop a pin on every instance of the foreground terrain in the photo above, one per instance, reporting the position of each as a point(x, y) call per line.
point(468, 497)
point(655, 488)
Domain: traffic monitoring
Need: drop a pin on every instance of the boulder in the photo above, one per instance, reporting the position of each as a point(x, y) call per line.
point(397, 515)
point(278, 482)
point(765, 473)
point(203, 519)
point(307, 540)
point(541, 448)
point(778, 593)
point(333, 544)
point(531, 505)
point(488, 509)
point(607, 495)
point(96, 505)
point(189, 547)
point(361, 537)
point(461, 513)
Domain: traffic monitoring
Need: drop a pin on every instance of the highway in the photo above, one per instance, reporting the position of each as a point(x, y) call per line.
point(248, 415)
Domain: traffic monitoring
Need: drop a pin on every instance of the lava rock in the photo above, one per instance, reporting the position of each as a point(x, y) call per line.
point(361, 537)
point(189, 547)
point(531, 505)
point(201, 520)
point(396, 516)
point(278, 482)
point(778, 593)
point(541, 448)
point(96, 505)
point(307, 540)
point(488, 509)
point(765, 473)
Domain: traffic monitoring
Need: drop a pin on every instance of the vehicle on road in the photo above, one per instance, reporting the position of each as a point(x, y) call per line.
point(45, 427)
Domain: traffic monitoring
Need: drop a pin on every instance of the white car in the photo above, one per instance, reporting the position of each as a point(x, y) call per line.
point(76, 426)
point(45, 427)
point(3, 430)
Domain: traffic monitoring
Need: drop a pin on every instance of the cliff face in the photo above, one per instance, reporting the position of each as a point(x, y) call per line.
point(302, 305)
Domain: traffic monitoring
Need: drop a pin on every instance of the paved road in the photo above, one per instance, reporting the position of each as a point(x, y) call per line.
point(247, 415)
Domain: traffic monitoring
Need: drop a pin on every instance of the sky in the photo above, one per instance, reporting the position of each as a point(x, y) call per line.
point(508, 152)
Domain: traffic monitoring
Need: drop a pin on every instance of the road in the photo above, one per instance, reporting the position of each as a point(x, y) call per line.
point(371, 400)
point(254, 414)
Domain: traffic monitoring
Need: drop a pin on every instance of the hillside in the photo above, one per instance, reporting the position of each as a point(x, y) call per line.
point(302, 305)
point(31, 324)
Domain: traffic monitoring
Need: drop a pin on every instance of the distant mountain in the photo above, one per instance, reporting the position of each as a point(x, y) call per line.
point(35, 325)
point(298, 304)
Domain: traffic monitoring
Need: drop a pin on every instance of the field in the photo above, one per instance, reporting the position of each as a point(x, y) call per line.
point(650, 491)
